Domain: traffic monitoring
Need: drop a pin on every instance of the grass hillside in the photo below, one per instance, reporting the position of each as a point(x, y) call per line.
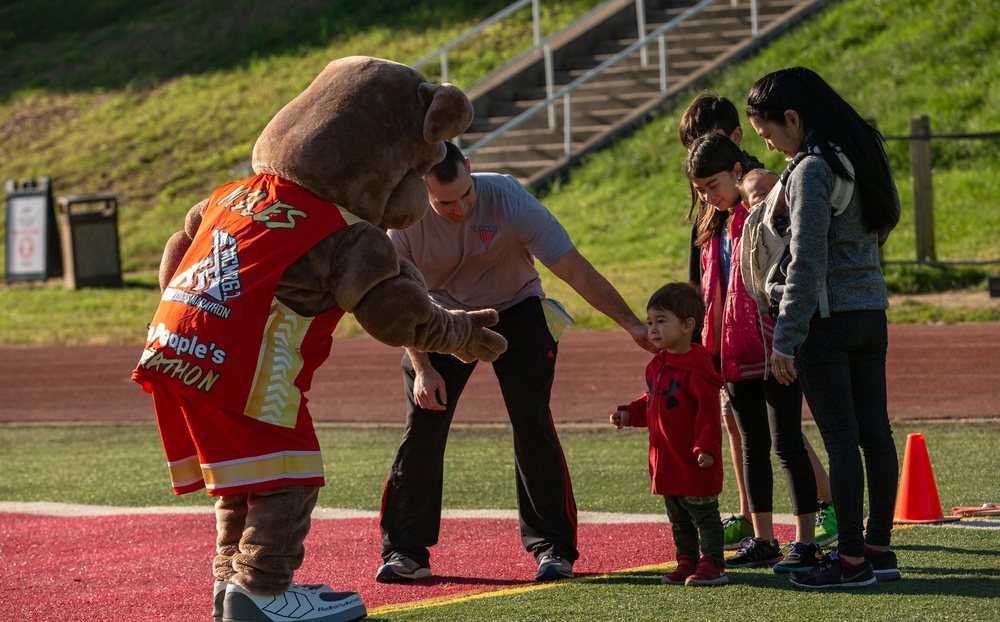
point(157, 101)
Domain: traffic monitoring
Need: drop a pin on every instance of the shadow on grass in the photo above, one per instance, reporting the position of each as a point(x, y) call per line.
point(70, 45)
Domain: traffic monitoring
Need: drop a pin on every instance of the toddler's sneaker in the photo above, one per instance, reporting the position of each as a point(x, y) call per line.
point(552, 567)
point(401, 568)
point(884, 564)
point(736, 528)
point(799, 556)
point(754, 553)
point(708, 573)
point(685, 568)
point(302, 603)
point(826, 524)
point(831, 573)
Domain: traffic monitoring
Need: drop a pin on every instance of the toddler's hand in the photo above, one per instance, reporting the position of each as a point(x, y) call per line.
point(619, 418)
point(705, 460)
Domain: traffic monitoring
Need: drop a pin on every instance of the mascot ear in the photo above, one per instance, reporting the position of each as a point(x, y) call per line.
point(449, 111)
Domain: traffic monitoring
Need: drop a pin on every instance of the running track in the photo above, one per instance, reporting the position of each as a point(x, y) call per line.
point(934, 372)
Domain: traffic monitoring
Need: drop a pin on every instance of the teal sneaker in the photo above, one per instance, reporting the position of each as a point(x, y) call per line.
point(736, 528)
point(799, 557)
point(826, 524)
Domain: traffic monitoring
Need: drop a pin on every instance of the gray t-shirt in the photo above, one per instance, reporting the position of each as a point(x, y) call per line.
point(487, 260)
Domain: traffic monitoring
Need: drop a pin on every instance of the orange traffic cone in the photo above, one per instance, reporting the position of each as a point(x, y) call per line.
point(917, 499)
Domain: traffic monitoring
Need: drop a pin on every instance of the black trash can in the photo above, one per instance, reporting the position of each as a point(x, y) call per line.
point(88, 229)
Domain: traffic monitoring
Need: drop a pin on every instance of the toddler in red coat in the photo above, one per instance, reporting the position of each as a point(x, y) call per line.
point(681, 411)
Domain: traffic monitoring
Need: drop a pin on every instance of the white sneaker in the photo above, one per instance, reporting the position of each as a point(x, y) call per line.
point(218, 598)
point(552, 567)
point(302, 603)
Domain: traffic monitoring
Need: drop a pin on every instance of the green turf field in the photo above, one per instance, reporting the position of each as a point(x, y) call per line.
point(950, 573)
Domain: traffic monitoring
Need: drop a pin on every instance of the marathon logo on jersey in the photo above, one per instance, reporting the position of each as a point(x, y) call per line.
point(486, 234)
point(211, 282)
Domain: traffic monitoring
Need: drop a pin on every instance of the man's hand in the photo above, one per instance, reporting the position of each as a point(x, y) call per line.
point(429, 390)
point(705, 460)
point(641, 336)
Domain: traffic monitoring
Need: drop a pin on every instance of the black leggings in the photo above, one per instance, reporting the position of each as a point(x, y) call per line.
point(770, 413)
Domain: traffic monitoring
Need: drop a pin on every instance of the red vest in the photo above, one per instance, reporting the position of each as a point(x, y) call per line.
point(218, 333)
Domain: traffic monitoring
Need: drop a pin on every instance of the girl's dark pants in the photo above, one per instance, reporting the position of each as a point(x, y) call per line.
point(769, 414)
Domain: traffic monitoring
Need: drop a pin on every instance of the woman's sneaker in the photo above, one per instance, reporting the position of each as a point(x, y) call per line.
point(831, 573)
point(884, 564)
point(736, 528)
point(826, 524)
point(799, 556)
point(685, 568)
point(754, 553)
point(709, 572)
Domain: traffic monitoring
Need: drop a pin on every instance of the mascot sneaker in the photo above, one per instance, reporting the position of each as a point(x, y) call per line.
point(302, 603)
point(218, 598)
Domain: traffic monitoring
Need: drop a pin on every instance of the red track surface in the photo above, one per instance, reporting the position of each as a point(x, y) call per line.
point(934, 371)
point(148, 567)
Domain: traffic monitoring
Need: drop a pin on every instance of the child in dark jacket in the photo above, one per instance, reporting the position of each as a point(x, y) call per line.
point(681, 410)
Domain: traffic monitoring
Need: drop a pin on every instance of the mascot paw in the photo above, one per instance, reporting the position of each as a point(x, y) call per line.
point(484, 344)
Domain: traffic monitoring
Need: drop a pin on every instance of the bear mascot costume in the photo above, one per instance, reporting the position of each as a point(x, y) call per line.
point(251, 292)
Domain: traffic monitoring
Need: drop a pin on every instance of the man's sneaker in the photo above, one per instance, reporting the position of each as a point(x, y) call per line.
point(826, 524)
point(303, 603)
point(685, 568)
point(799, 556)
point(736, 528)
point(754, 553)
point(709, 572)
point(831, 573)
point(552, 567)
point(401, 568)
point(218, 598)
point(884, 564)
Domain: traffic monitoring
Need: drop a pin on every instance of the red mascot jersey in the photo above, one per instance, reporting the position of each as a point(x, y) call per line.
point(220, 336)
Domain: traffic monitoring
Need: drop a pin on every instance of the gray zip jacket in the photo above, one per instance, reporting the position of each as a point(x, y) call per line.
point(836, 252)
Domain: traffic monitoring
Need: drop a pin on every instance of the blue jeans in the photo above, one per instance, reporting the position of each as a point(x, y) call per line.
point(841, 366)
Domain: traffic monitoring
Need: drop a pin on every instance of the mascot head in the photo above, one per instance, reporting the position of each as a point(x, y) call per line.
point(363, 135)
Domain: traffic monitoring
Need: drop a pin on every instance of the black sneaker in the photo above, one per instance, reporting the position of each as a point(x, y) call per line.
point(553, 567)
point(755, 553)
point(401, 568)
point(885, 565)
point(800, 556)
point(830, 573)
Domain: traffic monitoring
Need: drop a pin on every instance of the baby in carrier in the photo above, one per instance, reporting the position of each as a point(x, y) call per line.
point(755, 187)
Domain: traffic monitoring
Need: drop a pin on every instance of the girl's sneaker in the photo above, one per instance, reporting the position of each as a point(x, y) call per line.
point(884, 564)
point(708, 573)
point(799, 556)
point(831, 573)
point(685, 568)
point(826, 524)
point(735, 529)
point(755, 553)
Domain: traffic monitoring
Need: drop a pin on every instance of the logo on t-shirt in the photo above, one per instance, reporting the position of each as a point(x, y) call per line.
point(212, 281)
point(486, 234)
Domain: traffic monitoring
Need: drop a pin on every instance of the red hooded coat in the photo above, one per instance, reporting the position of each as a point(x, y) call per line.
point(681, 410)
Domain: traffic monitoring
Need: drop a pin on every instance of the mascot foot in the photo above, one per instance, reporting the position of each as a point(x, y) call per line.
point(302, 603)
